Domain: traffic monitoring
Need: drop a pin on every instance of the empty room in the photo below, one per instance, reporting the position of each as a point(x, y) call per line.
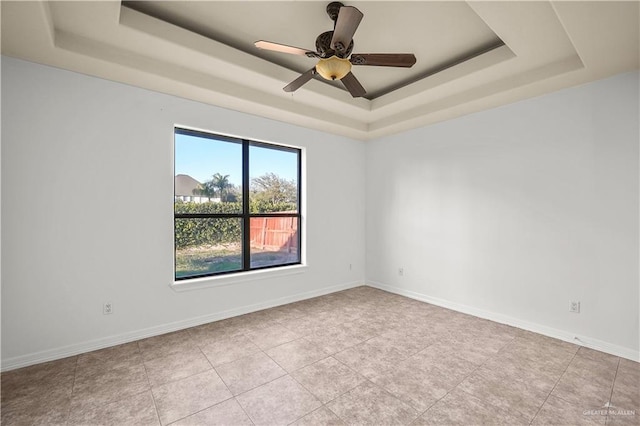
point(320, 213)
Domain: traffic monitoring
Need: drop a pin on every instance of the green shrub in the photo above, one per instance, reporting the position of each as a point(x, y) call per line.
point(213, 231)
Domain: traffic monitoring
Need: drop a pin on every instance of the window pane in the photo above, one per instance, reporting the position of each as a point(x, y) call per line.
point(274, 241)
point(273, 174)
point(207, 246)
point(208, 175)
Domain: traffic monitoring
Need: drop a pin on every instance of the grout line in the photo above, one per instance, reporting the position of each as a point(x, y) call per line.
point(153, 397)
point(613, 384)
point(310, 393)
point(233, 396)
point(221, 379)
point(466, 376)
point(73, 385)
point(244, 411)
point(554, 386)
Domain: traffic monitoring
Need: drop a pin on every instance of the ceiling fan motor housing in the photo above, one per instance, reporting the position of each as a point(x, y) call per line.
point(323, 46)
point(333, 9)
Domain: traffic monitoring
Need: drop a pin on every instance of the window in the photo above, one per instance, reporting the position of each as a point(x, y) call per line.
point(236, 205)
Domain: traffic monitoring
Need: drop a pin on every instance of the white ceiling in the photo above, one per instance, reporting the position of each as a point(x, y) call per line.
point(470, 55)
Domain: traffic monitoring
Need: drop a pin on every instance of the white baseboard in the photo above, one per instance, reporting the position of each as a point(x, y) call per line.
point(92, 345)
point(566, 336)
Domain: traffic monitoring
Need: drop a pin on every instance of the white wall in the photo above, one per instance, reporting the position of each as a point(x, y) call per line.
point(63, 256)
point(508, 214)
point(513, 212)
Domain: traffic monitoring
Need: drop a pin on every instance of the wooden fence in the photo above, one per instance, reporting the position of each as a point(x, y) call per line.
point(275, 233)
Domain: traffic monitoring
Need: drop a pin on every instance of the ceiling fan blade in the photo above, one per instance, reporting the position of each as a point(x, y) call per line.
point(277, 47)
point(348, 20)
point(353, 85)
point(300, 81)
point(405, 60)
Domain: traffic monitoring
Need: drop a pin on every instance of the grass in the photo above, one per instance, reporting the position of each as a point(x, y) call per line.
point(205, 260)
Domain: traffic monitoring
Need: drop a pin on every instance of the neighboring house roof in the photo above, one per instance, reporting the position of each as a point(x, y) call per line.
point(185, 184)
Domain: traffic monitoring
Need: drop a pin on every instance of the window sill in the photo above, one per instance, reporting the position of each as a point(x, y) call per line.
point(230, 279)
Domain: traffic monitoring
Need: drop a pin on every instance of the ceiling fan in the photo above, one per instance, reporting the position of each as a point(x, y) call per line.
point(334, 47)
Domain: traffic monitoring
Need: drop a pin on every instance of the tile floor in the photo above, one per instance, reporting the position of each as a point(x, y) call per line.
point(361, 356)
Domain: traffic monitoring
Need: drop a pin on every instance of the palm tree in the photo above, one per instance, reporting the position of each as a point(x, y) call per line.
point(204, 190)
point(221, 184)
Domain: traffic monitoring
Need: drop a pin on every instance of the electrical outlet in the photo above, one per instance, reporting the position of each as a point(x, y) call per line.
point(107, 308)
point(401, 271)
point(574, 307)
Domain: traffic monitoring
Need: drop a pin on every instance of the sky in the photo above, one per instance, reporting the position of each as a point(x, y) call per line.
point(201, 158)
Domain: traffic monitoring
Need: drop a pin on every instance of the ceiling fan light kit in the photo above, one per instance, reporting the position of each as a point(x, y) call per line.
point(333, 49)
point(333, 68)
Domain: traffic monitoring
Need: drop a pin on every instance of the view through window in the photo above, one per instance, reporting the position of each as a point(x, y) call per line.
point(236, 204)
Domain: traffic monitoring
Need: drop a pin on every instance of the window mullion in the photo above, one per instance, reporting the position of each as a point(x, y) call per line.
point(246, 219)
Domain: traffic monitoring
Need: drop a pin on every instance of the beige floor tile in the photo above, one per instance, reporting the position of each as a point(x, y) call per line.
point(375, 355)
point(296, 354)
point(43, 372)
point(110, 386)
point(460, 408)
point(632, 367)
point(551, 359)
point(413, 353)
point(579, 391)
point(166, 345)
point(543, 348)
point(512, 370)
point(254, 321)
point(336, 317)
point(418, 388)
point(268, 337)
point(506, 394)
point(368, 326)
point(545, 341)
point(600, 370)
point(600, 357)
point(286, 313)
point(623, 420)
point(328, 379)
point(406, 344)
point(226, 350)
point(185, 397)
point(335, 339)
point(561, 413)
point(227, 413)
point(484, 347)
point(502, 332)
point(213, 331)
point(442, 358)
point(90, 363)
point(628, 373)
point(38, 380)
point(50, 408)
point(176, 366)
point(321, 417)
point(135, 410)
point(279, 402)
point(303, 326)
point(626, 395)
point(369, 404)
point(249, 372)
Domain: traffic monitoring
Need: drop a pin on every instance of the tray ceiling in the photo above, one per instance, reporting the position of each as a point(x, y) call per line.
point(461, 34)
point(470, 55)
